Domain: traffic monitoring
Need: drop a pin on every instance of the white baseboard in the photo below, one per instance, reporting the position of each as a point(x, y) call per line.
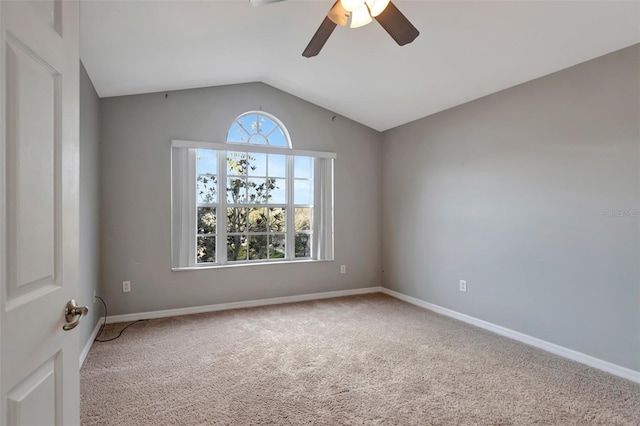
point(239, 305)
point(87, 346)
point(585, 359)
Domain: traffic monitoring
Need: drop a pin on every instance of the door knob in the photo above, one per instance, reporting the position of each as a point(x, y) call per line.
point(71, 311)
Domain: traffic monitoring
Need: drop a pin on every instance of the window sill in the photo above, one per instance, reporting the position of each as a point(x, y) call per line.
point(243, 265)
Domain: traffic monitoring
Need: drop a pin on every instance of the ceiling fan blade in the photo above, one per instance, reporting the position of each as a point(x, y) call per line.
point(397, 25)
point(262, 2)
point(319, 38)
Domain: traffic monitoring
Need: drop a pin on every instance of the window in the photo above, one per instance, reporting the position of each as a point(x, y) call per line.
point(251, 199)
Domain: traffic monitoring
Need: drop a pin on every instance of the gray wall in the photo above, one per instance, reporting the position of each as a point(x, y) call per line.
point(89, 203)
point(511, 193)
point(136, 132)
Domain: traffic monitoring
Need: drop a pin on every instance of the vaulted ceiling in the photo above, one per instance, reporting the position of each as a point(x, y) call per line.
point(466, 50)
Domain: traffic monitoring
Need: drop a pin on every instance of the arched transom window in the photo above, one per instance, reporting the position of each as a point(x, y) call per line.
point(259, 128)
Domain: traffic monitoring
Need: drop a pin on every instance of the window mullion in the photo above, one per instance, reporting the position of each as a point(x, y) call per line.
point(317, 203)
point(193, 211)
point(290, 222)
point(221, 229)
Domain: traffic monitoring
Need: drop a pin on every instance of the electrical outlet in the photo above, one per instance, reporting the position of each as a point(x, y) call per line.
point(343, 269)
point(126, 286)
point(463, 285)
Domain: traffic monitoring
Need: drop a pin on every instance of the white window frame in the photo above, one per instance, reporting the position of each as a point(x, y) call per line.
point(322, 230)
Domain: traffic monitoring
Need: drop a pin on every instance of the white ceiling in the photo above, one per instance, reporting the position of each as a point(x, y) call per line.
point(465, 50)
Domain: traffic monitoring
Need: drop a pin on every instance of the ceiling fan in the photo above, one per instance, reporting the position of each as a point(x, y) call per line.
point(357, 13)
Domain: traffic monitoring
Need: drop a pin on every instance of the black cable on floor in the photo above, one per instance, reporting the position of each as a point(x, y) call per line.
point(105, 323)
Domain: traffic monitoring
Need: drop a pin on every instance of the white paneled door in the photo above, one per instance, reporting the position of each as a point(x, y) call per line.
point(39, 74)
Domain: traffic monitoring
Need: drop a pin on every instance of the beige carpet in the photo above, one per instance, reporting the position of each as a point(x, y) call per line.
point(356, 360)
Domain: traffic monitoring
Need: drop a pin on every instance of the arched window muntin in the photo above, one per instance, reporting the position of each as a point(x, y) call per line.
point(259, 128)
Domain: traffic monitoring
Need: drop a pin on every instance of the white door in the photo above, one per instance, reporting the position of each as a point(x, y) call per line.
point(39, 85)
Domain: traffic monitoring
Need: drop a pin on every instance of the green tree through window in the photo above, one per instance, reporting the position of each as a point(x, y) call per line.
point(253, 233)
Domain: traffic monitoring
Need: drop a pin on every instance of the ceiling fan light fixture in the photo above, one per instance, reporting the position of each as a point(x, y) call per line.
point(376, 7)
point(352, 5)
point(356, 13)
point(360, 17)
